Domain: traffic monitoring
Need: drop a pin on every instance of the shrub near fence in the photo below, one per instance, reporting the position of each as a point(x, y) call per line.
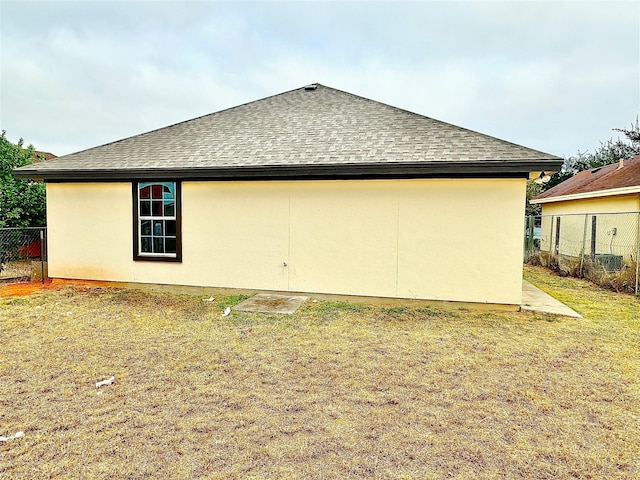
point(22, 253)
point(600, 247)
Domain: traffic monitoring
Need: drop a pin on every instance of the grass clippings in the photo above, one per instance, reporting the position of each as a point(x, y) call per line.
point(337, 390)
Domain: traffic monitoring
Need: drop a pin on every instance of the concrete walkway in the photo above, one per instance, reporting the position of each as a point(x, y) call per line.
point(536, 300)
point(271, 303)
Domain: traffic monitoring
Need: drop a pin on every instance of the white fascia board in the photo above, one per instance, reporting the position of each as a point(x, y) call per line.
point(581, 196)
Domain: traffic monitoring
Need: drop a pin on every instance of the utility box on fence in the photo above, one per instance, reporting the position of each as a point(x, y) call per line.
point(611, 263)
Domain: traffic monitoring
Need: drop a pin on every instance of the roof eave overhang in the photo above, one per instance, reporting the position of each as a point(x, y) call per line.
point(587, 195)
point(486, 169)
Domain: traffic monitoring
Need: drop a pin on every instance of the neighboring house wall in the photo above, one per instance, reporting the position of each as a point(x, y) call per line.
point(454, 240)
point(615, 204)
point(572, 228)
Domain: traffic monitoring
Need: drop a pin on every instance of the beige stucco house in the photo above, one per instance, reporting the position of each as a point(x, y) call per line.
point(594, 213)
point(312, 190)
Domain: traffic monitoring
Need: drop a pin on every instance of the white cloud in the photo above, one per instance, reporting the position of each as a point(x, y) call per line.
point(553, 76)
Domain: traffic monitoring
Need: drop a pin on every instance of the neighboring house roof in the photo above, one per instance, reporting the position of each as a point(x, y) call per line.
point(40, 156)
point(313, 132)
point(616, 179)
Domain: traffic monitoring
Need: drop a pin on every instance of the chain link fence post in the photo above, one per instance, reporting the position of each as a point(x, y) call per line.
point(638, 254)
point(584, 241)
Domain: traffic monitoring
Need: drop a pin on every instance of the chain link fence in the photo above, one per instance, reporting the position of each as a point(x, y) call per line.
point(22, 254)
point(602, 247)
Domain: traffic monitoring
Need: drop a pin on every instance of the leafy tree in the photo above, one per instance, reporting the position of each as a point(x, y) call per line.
point(633, 134)
point(533, 189)
point(22, 202)
point(611, 151)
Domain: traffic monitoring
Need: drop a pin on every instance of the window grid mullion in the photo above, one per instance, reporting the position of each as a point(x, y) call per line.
point(152, 218)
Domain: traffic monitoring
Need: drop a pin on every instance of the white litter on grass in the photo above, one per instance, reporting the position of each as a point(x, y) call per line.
point(108, 381)
point(210, 299)
point(227, 311)
point(12, 437)
point(69, 314)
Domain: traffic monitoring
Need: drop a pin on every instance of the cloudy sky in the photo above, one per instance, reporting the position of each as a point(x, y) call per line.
point(555, 76)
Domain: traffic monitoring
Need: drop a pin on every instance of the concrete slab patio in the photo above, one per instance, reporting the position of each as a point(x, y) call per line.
point(271, 303)
point(536, 300)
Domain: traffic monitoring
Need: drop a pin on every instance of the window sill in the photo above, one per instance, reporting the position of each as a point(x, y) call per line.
point(156, 258)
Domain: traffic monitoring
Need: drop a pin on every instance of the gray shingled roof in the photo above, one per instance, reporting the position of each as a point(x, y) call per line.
point(298, 129)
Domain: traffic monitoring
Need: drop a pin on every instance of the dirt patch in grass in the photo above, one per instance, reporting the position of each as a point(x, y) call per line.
point(22, 289)
point(336, 390)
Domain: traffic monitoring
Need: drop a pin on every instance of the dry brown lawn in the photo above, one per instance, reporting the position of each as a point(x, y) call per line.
point(337, 390)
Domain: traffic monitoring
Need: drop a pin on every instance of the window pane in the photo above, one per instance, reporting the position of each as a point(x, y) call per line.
point(170, 245)
point(157, 221)
point(169, 208)
point(145, 227)
point(169, 191)
point(146, 245)
point(158, 245)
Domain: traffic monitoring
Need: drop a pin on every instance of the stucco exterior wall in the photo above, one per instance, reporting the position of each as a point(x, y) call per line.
point(573, 228)
point(619, 203)
point(458, 240)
